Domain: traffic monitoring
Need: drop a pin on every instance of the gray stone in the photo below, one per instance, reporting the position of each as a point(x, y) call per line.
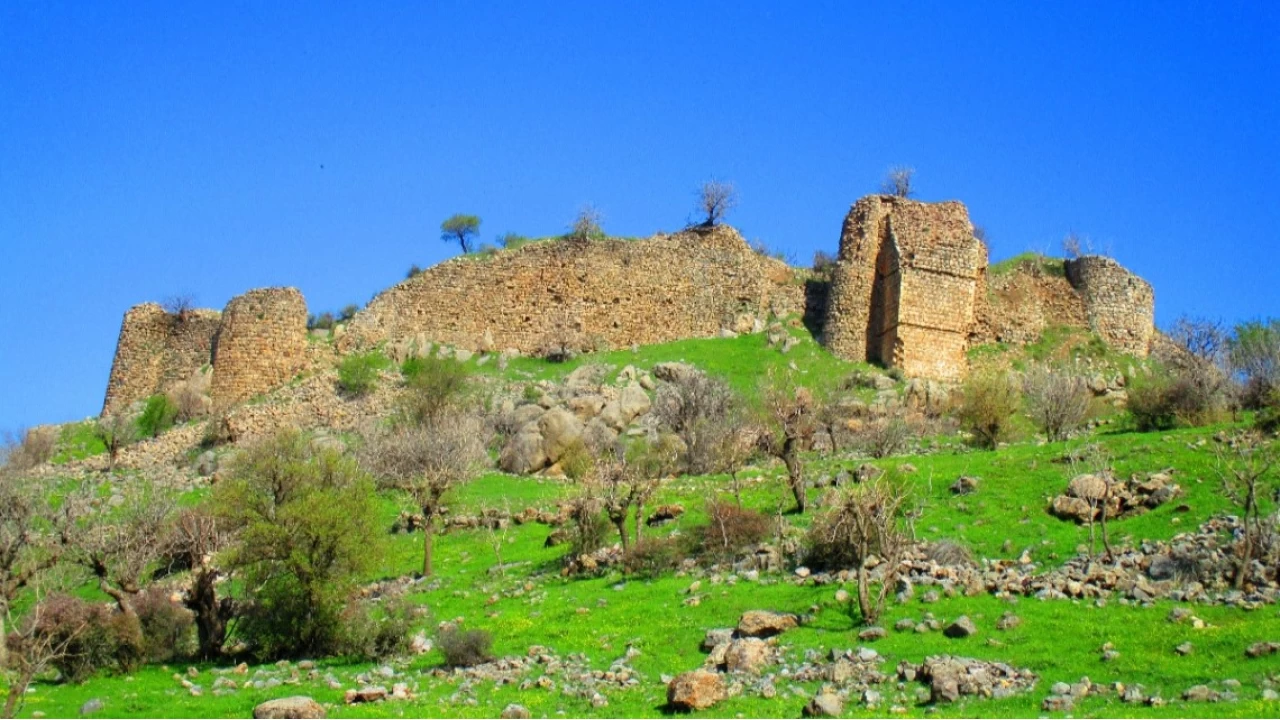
point(91, 706)
point(515, 712)
point(825, 704)
point(962, 627)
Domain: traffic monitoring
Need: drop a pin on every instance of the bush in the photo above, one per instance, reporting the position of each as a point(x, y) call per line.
point(92, 636)
point(378, 633)
point(157, 416)
point(413, 272)
point(1268, 418)
point(1254, 353)
point(348, 312)
point(432, 385)
point(650, 557)
point(323, 321)
point(1191, 396)
point(217, 431)
point(166, 626)
point(698, 408)
point(35, 448)
point(824, 262)
point(988, 402)
point(883, 437)
point(513, 241)
point(307, 520)
point(358, 373)
point(588, 527)
point(1057, 402)
point(731, 530)
point(465, 648)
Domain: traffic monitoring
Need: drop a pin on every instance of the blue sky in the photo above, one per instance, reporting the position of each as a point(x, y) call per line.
point(154, 149)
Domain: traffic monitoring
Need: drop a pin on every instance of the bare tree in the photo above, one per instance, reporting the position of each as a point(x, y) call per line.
point(883, 437)
point(34, 651)
point(179, 306)
point(862, 529)
point(898, 181)
point(117, 545)
point(1076, 245)
point(1201, 338)
point(194, 539)
point(1094, 464)
point(1250, 470)
point(715, 199)
point(1057, 401)
point(586, 226)
point(789, 413)
point(497, 527)
point(702, 411)
point(427, 461)
point(33, 538)
point(625, 481)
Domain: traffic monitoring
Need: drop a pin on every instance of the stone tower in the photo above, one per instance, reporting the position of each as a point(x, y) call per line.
point(905, 286)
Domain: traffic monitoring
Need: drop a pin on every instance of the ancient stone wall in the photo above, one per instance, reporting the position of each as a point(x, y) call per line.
point(1120, 306)
point(261, 344)
point(606, 293)
point(905, 286)
point(1022, 303)
point(156, 350)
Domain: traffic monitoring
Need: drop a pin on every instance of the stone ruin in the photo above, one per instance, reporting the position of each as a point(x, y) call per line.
point(258, 342)
point(909, 290)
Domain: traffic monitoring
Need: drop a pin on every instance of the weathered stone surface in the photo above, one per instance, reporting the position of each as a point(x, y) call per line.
point(697, 690)
point(764, 623)
point(262, 344)
point(824, 704)
point(748, 655)
point(904, 287)
point(298, 706)
point(157, 350)
point(1120, 305)
point(962, 627)
point(515, 711)
point(524, 452)
point(559, 429)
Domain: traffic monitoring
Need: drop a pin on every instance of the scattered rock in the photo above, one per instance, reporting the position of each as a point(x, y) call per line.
point(1262, 649)
point(1200, 693)
point(1008, 621)
point(298, 706)
point(824, 704)
point(962, 627)
point(764, 623)
point(965, 485)
point(1184, 649)
point(91, 706)
point(747, 655)
point(367, 694)
point(716, 637)
point(697, 690)
point(872, 634)
point(515, 711)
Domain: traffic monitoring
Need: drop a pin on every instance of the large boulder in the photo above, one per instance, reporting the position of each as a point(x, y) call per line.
point(764, 623)
point(633, 402)
point(560, 429)
point(673, 371)
point(1088, 487)
point(697, 690)
point(824, 704)
point(747, 655)
point(298, 706)
point(524, 452)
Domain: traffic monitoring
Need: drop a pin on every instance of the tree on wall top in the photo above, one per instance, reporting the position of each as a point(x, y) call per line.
point(898, 181)
point(715, 200)
point(461, 229)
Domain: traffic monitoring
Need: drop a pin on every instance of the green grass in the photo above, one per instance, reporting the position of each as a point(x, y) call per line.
point(1047, 265)
point(532, 604)
point(78, 441)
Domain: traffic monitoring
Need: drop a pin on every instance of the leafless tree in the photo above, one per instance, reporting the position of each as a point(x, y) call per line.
point(193, 541)
point(885, 436)
point(1249, 467)
point(33, 538)
point(117, 545)
point(715, 199)
point(862, 528)
point(1201, 338)
point(1057, 401)
point(179, 306)
point(34, 652)
point(898, 181)
point(702, 411)
point(586, 226)
point(1094, 460)
point(498, 528)
point(1076, 245)
point(427, 461)
point(789, 414)
point(625, 481)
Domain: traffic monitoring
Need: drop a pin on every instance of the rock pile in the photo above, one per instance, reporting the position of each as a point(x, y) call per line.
point(1088, 495)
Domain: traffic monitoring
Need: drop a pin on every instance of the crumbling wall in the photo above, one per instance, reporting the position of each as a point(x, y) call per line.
point(594, 294)
point(1022, 303)
point(905, 286)
point(156, 350)
point(1120, 306)
point(261, 344)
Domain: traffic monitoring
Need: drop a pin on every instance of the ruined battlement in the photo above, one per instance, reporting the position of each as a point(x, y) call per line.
point(592, 294)
point(156, 350)
point(1120, 306)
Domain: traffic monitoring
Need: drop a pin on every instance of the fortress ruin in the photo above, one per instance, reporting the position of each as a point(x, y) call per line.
point(910, 289)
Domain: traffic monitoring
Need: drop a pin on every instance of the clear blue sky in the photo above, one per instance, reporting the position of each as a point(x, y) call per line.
point(153, 149)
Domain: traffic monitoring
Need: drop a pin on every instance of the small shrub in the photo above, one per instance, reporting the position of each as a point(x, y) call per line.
point(513, 241)
point(166, 626)
point(731, 530)
point(35, 448)
point(82, 628)
point(1057, 402)
point(465, 648)
point(217, 431)
point(158, 415)
point(358, 373)
point(886, 436)
point(824, 262)
point(348, 312)
point(988, 402)
point(432, 385)
point(1268, 418)
point(699, 409)
point(413, 272)
point(128, 644)
point(1150, 405)
point(576, 461)
point(588, 527)
point(323, 321)
point(650, 557)
point(946, 552)
point(1191, 396)
point(377, 633)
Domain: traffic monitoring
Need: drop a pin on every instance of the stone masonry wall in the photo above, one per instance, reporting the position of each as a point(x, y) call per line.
point(1022, 303)
point(156, 350)
point(261, 344)
point(612, 293)
point(1120, 306)
point(905, 286)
